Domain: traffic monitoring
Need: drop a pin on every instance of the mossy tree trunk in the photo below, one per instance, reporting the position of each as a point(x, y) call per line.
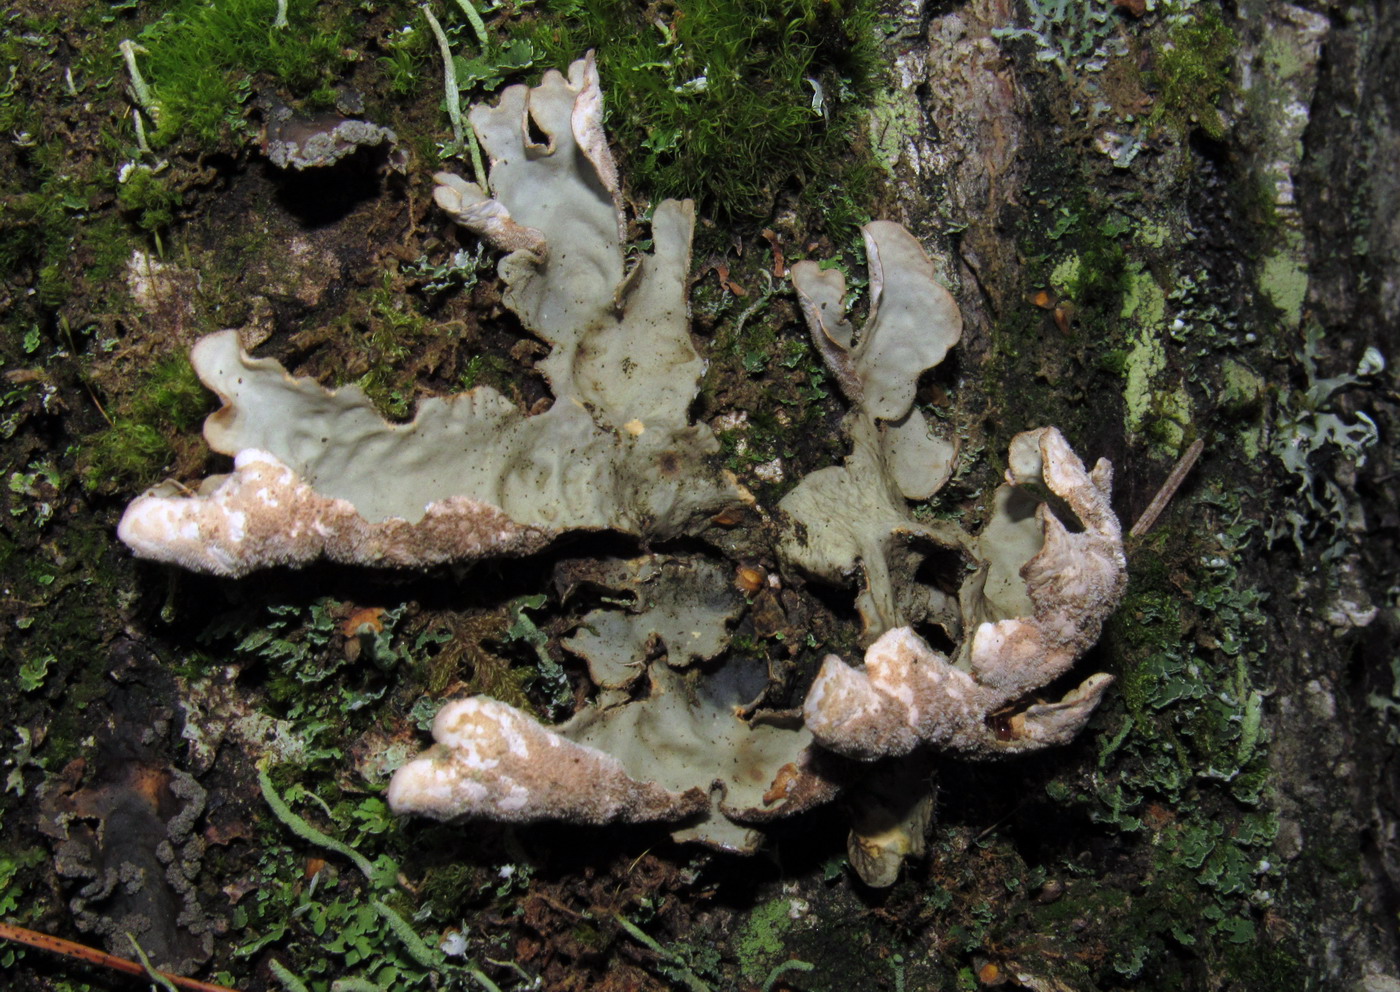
point(1165, 221)
point(1173, 227)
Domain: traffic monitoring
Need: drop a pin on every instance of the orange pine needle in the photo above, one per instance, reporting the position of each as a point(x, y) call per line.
point(90, 955)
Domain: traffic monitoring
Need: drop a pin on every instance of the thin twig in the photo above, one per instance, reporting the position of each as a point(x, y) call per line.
point(91, 955)
point(478, 25)
point(692, 981)
point(1168, 490)
point(463, 134)
point(156, 977)
point(92, 395)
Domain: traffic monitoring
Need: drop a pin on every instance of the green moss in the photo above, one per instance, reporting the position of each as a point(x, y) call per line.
point(1284, 280)
point(49, 193)
point(1101, 278)
point(395, 325)
point(44, 210)
point(1146, 624)
point(488, 370)
point(1080, 255)
point(760, 943)
point(1079, 902)
point(408, 55)
point(837, 198)
point(469, 655)
point(1114, 361)
point(1184, 767)
point(780, 384)
point(724, 101)
point(1192, 72)
point(141, 439)
point(126, 450)
point(1264, 965)
point(453, 888)
point(24, 38)
point(204, 59)
point(150, 197)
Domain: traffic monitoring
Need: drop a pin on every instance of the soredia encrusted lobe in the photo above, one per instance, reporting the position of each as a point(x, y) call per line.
point(908, 694)
point(671, 757)
point(264, 514)
point(494, 762)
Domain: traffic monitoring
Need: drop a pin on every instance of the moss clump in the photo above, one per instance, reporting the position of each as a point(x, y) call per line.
point(724, 101)
point(1097, 284)
point(203, 58)
point(141, 439)
point(455, 887)
point(1193, 73)
point(150, 197)
point(1148, 620)
point(467, 656)
point(488, 370)
point(45, 202)
point(760, 943)
point(393, 327)
point(760, 366)
point(406, 60)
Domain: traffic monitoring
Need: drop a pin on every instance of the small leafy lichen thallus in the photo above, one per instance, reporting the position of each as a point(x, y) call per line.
point(319, 473)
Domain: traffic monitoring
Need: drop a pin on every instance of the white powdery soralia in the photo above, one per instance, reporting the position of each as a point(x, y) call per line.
point(495, 762)
point(907, 694)
point(263, 514)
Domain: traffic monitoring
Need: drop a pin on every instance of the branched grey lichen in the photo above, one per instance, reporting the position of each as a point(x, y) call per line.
point(1081, 38)
point(855, 515)
point(1316, 444)
point(1078, 36)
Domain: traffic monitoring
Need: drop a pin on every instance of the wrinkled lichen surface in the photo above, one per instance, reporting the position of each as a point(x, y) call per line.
point(1162, 223)
point(470, 477)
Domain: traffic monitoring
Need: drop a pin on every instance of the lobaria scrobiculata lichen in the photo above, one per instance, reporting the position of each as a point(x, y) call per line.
point(672, 733)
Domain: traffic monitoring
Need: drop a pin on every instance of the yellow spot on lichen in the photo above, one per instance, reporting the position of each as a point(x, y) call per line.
point(1065, 275)
point(1145, 305)
point(1153, 235)
point(1286, 283)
